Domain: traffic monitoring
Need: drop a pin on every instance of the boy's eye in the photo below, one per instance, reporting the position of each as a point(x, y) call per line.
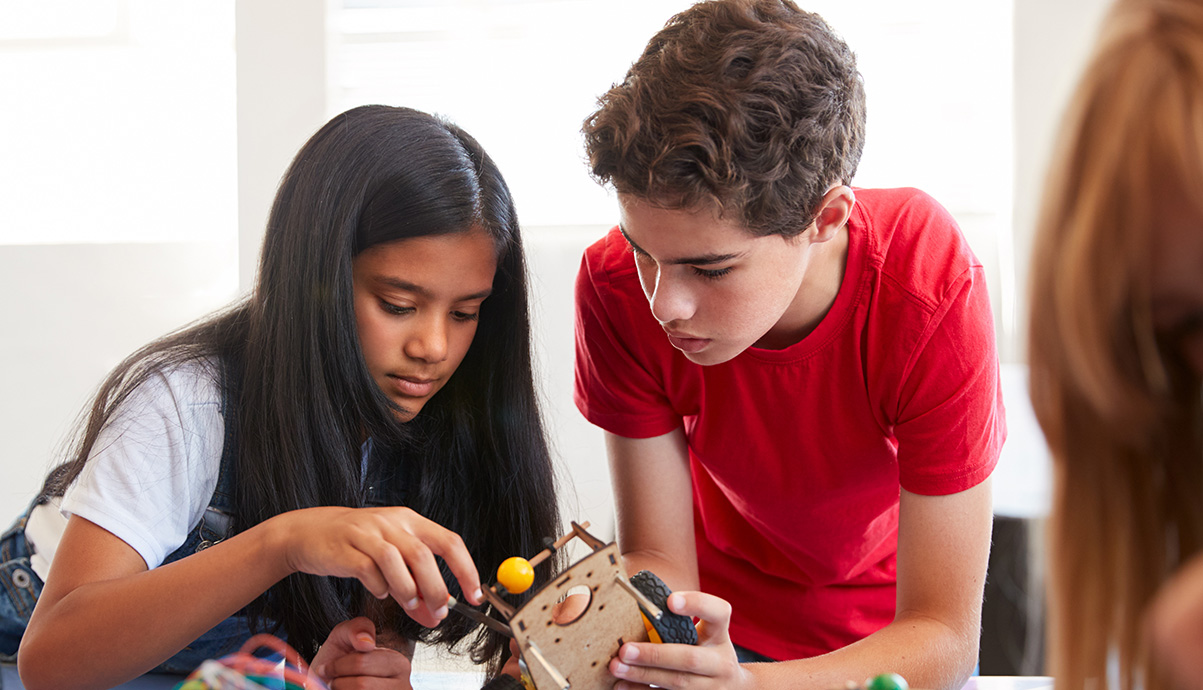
point(712, 274)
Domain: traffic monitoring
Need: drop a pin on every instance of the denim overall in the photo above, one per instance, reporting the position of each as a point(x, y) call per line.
point(21, 586)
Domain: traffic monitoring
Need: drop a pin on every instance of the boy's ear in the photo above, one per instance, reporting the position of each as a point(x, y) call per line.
point(834, 210)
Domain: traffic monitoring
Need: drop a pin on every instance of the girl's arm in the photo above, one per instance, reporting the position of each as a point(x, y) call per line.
point(103, 618)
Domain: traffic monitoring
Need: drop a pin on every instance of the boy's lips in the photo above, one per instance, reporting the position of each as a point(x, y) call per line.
point(687, 343)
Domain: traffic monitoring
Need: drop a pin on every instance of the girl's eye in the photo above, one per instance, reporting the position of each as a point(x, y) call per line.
point(712, 274)
point(465, 316)
point(391, 308)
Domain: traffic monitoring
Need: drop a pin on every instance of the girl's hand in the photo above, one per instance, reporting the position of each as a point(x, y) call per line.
point(511, 667)
point(390, 550)
point(350, 660)
point(711, 664)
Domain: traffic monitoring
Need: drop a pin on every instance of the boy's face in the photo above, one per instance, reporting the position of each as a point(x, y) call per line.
point(717, 290)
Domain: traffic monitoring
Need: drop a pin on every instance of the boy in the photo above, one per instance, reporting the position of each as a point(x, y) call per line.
point(798, 380)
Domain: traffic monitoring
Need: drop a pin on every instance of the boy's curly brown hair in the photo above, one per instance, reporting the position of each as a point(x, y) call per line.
point(752, 106)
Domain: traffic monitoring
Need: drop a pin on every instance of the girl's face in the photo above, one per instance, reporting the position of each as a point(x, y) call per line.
point(417, 302)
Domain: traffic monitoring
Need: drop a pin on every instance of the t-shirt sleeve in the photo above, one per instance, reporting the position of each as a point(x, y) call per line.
point(950, 424)
point(154, 466)
point(616, 383)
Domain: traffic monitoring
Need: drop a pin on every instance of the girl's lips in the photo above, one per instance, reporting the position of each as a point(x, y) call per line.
point(412, 387)
point(689, 345)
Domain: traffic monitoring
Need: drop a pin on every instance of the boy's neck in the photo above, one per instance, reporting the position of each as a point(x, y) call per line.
point(817, 294)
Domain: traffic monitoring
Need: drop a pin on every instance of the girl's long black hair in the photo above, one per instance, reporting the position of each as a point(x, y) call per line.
point(476, 459)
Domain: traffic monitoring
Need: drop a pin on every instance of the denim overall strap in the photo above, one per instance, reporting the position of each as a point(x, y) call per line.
point(20, 587)
point(214, 526)
point(387, 476)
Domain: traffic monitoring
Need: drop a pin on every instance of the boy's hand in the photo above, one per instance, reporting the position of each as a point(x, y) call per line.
point(350, 660)
point(711, 664)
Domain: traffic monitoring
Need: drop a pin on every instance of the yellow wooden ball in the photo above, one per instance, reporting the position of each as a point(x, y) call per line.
point(516, 574)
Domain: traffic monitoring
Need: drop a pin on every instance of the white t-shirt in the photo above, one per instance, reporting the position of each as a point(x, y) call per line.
point(152, 470)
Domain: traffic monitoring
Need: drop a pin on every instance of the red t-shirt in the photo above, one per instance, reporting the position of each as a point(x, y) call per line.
point(797, 455)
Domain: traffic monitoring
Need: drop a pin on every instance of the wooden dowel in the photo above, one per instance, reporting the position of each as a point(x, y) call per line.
point(558, 544)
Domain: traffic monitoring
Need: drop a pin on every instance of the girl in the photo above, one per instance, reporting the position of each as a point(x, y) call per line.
point(250, 470)
point(1116, 355)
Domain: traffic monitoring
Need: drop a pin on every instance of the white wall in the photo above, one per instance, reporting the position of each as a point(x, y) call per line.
point(1052, 42)
point(71, 306)
point(117, 201)
point(69, 313)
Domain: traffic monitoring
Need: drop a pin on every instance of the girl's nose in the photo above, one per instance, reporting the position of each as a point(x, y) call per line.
point(429, 342)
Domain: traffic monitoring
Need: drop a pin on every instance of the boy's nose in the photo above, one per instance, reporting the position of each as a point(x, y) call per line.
point(671, 301)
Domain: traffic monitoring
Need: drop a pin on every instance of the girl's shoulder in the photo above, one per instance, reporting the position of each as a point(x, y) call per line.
point(182, 385)
point(154, 465)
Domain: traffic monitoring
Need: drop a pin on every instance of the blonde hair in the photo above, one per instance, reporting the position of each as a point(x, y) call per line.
point(1119, 409)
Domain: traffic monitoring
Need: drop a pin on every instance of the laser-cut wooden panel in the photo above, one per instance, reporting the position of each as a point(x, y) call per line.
point(581, 650)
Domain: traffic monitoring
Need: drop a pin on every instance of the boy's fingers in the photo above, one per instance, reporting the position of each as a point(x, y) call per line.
point(664, 665)
point(681, 659)
point(713, 614)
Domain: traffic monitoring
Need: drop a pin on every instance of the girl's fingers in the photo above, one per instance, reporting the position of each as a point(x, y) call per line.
point(450, 547)
point(432, 591)
point(357, 634)
point(419, 541)
point(393, 567)
point(570, 609)
point(378, 663)
point(364, 568)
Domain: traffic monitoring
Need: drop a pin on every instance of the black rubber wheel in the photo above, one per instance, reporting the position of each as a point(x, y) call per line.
point(673, 628)
point(504, 682)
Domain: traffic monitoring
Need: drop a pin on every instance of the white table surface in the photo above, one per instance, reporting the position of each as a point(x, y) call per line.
point(471, 681)
point(9, 680)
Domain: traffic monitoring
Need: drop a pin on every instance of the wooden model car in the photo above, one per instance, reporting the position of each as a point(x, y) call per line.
point(576, 654)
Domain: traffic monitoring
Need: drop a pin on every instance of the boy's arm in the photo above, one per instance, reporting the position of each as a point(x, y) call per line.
point(653, 499)
point(943, 547)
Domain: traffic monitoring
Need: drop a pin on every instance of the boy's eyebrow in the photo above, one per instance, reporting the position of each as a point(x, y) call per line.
point(419, 290)
point(700, 260)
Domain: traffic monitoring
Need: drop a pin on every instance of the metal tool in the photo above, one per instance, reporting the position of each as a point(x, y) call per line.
point(491, 623)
